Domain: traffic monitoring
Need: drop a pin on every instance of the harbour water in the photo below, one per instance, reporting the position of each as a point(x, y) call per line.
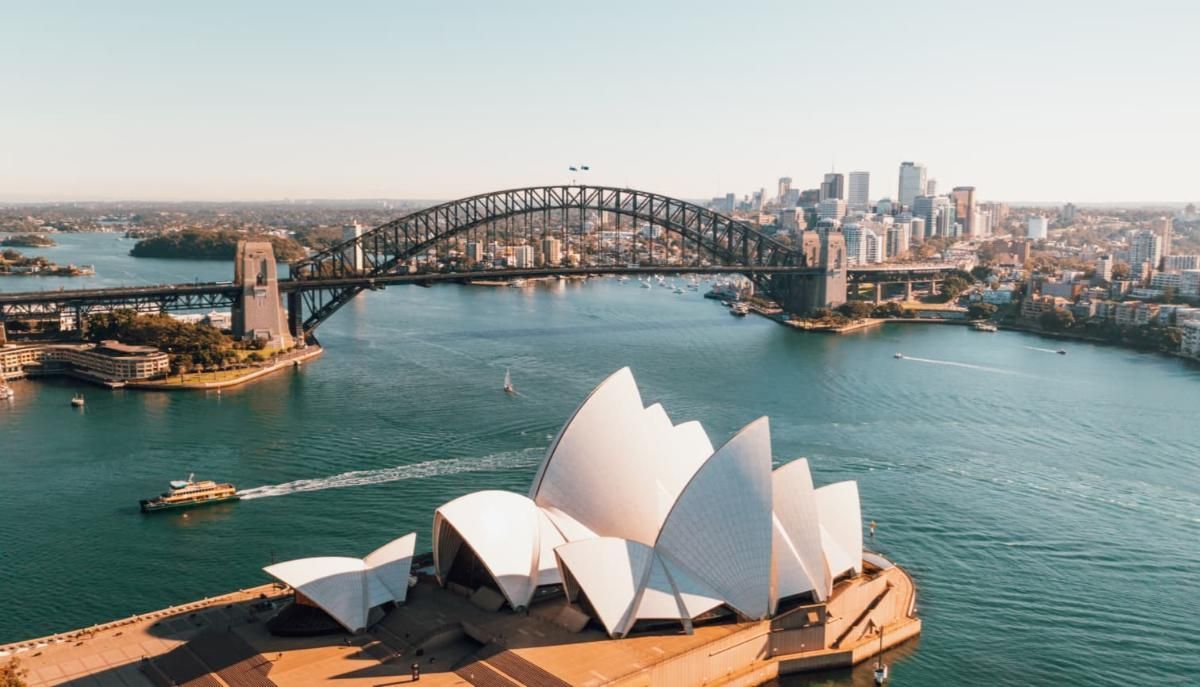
point(1047, 506)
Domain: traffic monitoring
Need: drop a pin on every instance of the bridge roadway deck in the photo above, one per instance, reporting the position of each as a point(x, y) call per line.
point(229, 290)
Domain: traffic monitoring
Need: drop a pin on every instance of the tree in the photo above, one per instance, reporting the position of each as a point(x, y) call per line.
point(822, 314)
point(981, 311)
point(1121, 271)
point(889, 309)
point(1057, 320)
point(856, 310)
point(981, 272)
point(12, 674)
point(953, 286)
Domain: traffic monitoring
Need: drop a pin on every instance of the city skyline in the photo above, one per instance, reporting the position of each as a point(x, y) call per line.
point(141, 102)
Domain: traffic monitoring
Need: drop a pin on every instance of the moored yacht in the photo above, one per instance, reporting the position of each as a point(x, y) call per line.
point(187, 493)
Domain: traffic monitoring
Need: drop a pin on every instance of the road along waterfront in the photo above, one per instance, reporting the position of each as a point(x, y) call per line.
point(1046, 506)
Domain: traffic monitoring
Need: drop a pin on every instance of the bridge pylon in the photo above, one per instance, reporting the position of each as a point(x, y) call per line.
point(257, 311)
point(825, 287)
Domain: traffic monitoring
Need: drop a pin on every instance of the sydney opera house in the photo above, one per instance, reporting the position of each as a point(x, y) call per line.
point(636, 527)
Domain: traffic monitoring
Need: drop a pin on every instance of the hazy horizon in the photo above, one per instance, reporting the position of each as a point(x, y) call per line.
point(142, 102)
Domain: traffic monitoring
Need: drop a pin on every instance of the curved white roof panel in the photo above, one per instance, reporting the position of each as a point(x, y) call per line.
point(841, 525)
point(720, 528)
point(335, 584)
point(610, 571)
point(391, 565)
point(799, 557)
point(612, 439)
point(503, 530)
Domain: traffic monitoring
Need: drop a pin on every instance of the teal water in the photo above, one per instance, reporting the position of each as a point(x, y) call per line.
point(1047, 506)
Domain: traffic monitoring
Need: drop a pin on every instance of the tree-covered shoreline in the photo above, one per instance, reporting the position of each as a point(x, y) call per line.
point(209, 245)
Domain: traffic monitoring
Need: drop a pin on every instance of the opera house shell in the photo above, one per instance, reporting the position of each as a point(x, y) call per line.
point(638, 520)
point(642, 521)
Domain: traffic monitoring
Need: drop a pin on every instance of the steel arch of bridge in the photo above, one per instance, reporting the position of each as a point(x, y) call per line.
point(724, 240)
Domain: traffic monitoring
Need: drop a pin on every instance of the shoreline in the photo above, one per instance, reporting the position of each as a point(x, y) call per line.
point(310, 353)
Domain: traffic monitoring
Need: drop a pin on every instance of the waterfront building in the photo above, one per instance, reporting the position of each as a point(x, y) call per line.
point(964, 207)
point(1037, 229)
point(831, 208)
point(859, 192)
point(785, 187)
point(522, 257)
point(1034, 307)
point(551, 251)
point(1190, 345)
point(912, 183)
point(1176, 263)
point(646, 537)
point(107, 361)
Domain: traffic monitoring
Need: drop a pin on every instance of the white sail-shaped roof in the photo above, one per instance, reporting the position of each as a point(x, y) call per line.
point(391, 565)
point(799, 557)
point(503, 529)
point(720, 528)
point(337, 585)
point(841, 526)
point(611, 438)
point(611, 572)
point(348, 588)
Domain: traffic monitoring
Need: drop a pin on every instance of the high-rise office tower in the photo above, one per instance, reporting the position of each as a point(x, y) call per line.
point(928, 208)
point(947, 219)
point(353, 252)
point(834, 186)
point(931, 187)
point(785, 185)
point(912, 182)
point(551, 251)
point(1165, 228)
point(859, 192)
point(834, 208)
point(1104, 266)
point(964, 206)
point(1068, 213)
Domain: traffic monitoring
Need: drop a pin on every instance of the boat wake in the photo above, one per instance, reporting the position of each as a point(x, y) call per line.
point(968, 366)
point(1043, 350)
point(430, 468)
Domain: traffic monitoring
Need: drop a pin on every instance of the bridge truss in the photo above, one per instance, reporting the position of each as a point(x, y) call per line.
point(712, 239)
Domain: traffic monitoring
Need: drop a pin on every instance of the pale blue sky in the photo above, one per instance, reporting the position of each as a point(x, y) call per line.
point(1088, 101)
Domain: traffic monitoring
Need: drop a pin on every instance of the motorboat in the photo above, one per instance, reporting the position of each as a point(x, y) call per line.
point(985, 327)
point(508, 385)
point(1061, 351)
point(6, 391)
point(77, 401)
point(898, 356)
point(739, 310)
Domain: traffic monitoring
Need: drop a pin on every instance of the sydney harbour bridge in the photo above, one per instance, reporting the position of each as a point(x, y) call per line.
point(801, 275)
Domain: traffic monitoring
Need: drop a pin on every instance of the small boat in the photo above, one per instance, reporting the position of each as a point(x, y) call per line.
point(739, 310)
point(646, 285)
point(188, 493)
point(77, 401)
point(898, 356)
point(1061, 352)
point(508, 385)
point(678, 290)
point(985, 327)
point(6, 391)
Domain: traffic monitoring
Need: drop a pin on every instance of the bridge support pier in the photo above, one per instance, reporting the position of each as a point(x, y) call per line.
point(878, 294)
point(257, 312)
point(802, 294)
point(295, 317)
point(907, 291)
